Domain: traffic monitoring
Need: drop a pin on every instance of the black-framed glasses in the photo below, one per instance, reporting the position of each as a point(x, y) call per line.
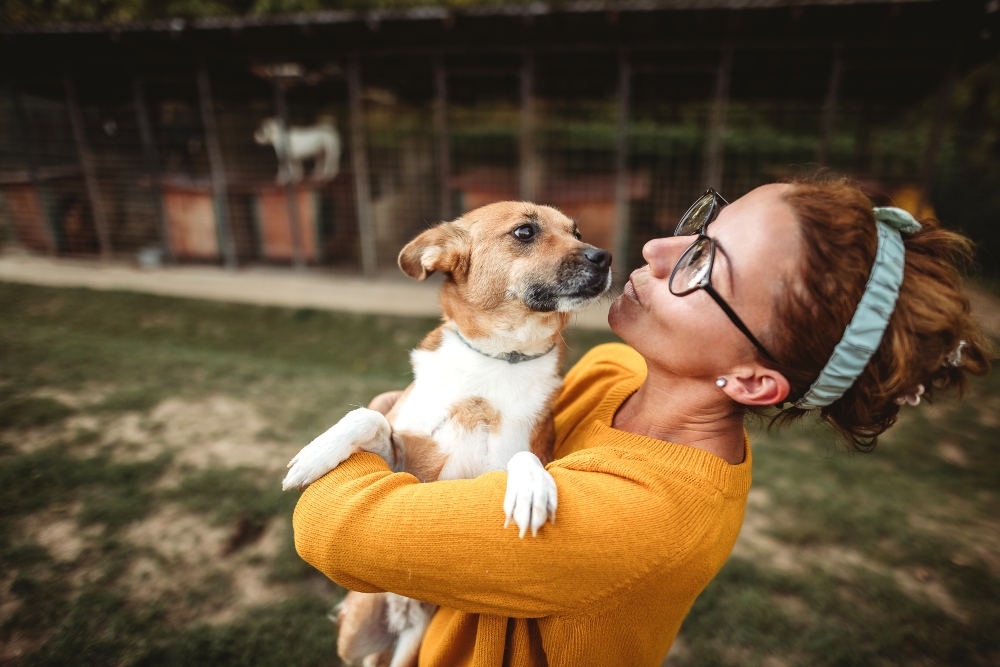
point(693, 270)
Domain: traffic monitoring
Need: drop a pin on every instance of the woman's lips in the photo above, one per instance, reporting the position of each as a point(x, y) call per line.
point(629, 290)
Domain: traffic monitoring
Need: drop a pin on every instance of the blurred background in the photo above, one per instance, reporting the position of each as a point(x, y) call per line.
point(291, 147)
point(136, 129)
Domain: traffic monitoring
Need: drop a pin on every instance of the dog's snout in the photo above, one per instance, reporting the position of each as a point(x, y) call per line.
point(602, 258)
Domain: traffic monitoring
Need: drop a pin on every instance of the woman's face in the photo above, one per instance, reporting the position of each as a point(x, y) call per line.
point(757, 251)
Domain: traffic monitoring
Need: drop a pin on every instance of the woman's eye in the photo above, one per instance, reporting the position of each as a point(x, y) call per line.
point(524, 233)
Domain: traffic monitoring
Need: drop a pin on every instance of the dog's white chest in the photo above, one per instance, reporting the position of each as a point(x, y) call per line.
point(479, 410)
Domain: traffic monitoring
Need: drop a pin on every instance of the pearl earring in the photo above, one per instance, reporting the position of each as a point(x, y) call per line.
point(721, 382)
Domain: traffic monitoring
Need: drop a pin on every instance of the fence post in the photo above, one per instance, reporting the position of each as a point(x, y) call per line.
point(830, 105)
point(936, 137)
point(42, 194)
point(621, 221)
point(359, 165)
point(441, 130)
point(291, 189)
point(151, 162)
point(528, 186)
point(219, 186)
point(86, 159)
point(715, 141)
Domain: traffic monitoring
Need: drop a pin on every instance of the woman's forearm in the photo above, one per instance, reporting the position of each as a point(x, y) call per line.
point(444, 542)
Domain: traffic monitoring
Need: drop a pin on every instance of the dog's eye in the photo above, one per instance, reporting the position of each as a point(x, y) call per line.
point(577, 235)
point(524, 233)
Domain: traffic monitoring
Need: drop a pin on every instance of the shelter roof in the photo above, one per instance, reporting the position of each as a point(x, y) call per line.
point(432, 12)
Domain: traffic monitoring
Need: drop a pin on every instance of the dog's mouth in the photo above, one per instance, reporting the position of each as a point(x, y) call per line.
point(575, 287)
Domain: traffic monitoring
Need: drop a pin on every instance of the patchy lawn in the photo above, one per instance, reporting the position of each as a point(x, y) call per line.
point(142, 440)
point(142, 444)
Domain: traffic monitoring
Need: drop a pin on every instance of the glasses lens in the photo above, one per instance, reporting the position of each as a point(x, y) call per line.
point(696, 216)
point(693, 268)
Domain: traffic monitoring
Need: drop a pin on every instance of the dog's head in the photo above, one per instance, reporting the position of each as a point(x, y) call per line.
point(516, 255)
point(269, 130)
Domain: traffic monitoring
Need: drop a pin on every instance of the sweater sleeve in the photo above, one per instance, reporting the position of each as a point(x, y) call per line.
point(443, 542)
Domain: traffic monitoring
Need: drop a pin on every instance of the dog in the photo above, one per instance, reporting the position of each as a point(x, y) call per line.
point(296, 144)
point(484, 384)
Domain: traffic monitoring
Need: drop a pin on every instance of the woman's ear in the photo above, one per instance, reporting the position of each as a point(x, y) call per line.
point(443, 248)
point(756, 385)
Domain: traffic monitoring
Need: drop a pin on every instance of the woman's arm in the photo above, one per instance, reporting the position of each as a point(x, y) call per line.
point(444, 542)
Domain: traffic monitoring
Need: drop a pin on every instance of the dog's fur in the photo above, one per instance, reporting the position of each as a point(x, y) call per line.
point(296, 144)
point(471, 410)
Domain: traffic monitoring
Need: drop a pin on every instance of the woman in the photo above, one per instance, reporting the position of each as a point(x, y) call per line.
point(784, 297)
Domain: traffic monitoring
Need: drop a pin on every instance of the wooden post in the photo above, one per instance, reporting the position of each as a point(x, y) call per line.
point(528, 185)
point(151, 163)
point(219, 185)
point(26, 140)
point(8, 222)
point(715, 141)
point(359, 165)
point(621, 221)
point(441, 131)
point(830, 105)
point(86, 159)
point(291, 189)
point(936, 137)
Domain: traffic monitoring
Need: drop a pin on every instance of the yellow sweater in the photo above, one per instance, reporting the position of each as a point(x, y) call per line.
point(642, 526)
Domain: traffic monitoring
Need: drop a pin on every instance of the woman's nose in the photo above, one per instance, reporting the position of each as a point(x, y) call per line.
point(661, 254)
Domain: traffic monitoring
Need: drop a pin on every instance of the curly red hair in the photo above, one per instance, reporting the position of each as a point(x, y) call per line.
point(931, 316)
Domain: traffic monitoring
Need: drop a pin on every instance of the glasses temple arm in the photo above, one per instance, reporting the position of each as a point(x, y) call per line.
point(738, 322)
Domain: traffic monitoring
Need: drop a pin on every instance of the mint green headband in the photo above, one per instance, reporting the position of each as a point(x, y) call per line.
point(864, 333)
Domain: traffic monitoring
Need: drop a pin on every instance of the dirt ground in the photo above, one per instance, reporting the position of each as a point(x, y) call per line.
point(140, 459)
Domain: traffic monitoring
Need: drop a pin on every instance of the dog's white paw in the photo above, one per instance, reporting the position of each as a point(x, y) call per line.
point(360, 429)
point(531, 496)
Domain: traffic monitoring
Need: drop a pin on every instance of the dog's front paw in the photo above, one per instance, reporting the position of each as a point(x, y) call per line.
point(531, 496)
point(360, 429)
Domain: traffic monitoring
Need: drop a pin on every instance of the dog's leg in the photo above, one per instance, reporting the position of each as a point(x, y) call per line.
point(363, 629)
point(531, 495)
point(407, 647)
point(409, 620)
point(331, 159)
point(295, 169)
point(359, 430)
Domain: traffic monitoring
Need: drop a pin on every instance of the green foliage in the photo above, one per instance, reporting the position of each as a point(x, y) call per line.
point(966, 192)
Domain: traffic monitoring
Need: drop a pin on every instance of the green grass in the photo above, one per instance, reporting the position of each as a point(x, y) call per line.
point(228, 495)
point(890, 558)
point(26, 412)
point(119, 356)
point(893, 549)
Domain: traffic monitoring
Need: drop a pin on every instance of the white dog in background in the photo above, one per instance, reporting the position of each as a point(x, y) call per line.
point(302, 143)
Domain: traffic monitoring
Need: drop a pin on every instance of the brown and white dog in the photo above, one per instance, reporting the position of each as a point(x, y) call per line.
point(484, 384)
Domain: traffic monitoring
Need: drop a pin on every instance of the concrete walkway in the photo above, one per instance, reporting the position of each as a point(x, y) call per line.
point(387, 294)
point(390, 293)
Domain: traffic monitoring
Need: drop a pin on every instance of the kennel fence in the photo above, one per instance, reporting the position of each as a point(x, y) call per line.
point(143, 145)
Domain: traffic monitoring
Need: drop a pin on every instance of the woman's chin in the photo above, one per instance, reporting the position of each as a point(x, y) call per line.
point(618, 316)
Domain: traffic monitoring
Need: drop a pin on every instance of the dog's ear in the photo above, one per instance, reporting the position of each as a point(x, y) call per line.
point(443, 248)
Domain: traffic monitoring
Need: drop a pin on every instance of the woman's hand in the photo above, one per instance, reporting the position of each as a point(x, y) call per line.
point(384, 402)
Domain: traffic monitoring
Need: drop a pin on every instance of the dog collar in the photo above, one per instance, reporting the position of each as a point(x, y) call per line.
point(510, 357)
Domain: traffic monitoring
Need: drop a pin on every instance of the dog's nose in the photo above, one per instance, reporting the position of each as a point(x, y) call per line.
point(602, 258)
